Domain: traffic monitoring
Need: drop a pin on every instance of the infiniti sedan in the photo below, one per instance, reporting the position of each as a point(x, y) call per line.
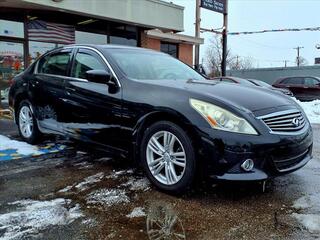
point(169, 119)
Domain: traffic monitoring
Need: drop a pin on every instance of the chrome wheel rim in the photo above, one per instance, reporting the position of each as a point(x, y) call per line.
point(26, 122)
point(166, 157)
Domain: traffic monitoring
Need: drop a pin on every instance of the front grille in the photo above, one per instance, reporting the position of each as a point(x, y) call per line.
point(285, 121)
point(283, 164)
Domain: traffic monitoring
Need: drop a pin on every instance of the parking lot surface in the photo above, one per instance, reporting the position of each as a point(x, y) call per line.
point(81, 194)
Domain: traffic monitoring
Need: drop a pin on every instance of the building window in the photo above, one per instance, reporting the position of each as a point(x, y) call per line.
point(11, 63)
point(123, 35)
point(11, 29)
point(169, 48)
point(36, 49)
point(90, 38)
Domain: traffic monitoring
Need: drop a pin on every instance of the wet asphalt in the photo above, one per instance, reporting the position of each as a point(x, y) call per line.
point(105, 191)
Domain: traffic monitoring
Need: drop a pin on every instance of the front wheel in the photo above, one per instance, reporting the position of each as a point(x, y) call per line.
point(27, 123)
point(168, 157)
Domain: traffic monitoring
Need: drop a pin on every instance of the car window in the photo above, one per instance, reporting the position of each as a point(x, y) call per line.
point(311, 82)
point(292, 81)
point(55, 63)
point(84, 62)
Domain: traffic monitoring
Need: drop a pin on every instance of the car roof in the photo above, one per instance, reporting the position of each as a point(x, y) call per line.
point(111, 46)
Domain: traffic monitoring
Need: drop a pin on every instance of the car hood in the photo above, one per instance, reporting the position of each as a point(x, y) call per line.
point(239, 96)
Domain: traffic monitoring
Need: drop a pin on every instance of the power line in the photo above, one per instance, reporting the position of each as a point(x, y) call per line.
point(276, 30)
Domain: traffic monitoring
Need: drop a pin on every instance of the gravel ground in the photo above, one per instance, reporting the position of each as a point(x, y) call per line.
point(89, 196)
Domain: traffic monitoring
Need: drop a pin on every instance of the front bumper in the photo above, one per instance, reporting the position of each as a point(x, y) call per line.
point(223, 153)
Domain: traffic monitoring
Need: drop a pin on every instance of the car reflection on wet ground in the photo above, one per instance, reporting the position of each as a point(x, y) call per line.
point(85, 195)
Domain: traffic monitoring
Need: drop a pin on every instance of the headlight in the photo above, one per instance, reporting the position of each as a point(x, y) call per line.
point(222, 119)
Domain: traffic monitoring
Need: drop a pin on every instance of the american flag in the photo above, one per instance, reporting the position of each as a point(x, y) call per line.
point(50, 32)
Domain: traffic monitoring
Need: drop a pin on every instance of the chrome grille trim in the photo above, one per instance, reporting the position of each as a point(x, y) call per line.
point(282, 122)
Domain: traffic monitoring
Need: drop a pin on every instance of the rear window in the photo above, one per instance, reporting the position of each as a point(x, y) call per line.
point(55, 63)
point(292, 81)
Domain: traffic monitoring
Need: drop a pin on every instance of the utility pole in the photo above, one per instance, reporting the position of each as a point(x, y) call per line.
point(224, 41)
point(197, 35)
point(285, 63)
point(298, 54)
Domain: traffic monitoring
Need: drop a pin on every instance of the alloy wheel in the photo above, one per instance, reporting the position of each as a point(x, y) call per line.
point(26, 122)
point(166, 157)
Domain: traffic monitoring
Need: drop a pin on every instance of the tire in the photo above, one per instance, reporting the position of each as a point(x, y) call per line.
point(159, 171)
point(25, 114)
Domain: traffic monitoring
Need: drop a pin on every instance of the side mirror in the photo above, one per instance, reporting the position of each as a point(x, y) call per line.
point(98, 76)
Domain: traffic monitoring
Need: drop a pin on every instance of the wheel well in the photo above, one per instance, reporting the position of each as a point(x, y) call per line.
point(161, 116)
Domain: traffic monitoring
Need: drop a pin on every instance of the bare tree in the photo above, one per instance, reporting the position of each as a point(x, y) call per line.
point(239, 63)
point(214, 58)
point(302, 61)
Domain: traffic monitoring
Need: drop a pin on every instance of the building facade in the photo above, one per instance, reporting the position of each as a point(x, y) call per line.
point(29, 28)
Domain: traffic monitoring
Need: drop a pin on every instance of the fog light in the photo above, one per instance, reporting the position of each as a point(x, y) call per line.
point(247, 165)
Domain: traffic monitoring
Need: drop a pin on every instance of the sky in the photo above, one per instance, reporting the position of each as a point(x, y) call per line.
point(266, 49)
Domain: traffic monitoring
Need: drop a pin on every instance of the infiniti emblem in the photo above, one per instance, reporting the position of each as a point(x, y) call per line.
point(295, 122)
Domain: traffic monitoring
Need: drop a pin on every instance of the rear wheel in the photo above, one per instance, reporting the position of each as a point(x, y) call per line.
point(27, 123)
point(168, 157)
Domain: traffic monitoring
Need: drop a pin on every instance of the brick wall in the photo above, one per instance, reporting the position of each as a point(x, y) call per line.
point(149, 42)
point(186, 53)
point(185, 50)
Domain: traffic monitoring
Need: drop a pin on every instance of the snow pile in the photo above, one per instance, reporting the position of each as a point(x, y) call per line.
point(107, 197)
point(33, 216)
point(134, 184)
point(310, 221)
point(312, 110)
point(22, 147)
point(89, 181)
point(137, 212)
point(310, 204)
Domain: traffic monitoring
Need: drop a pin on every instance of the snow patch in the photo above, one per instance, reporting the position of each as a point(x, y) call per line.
point(137, 212)
point(89, 181)
point(66, 189)
point(22, 148)
point(312, 110)
point(310, 221)
point(32, 216)
point(107, 197)
point(134, 184)
point(310, 202)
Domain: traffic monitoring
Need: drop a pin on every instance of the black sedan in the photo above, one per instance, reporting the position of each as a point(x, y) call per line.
point(160, 112)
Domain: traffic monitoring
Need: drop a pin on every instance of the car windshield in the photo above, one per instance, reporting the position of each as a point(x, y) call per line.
point(148, 65)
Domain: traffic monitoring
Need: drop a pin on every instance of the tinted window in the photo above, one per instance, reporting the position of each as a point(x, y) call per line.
point(56, 64)
point(292, 81)
point(311, 82)
point(85, 62)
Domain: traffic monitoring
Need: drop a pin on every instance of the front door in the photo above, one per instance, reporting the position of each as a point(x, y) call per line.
point(94, 113)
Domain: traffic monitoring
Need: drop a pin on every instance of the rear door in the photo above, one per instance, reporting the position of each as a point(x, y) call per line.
point(47, 88)
point(295, 85)
point(311, 88)
point(93, 113)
